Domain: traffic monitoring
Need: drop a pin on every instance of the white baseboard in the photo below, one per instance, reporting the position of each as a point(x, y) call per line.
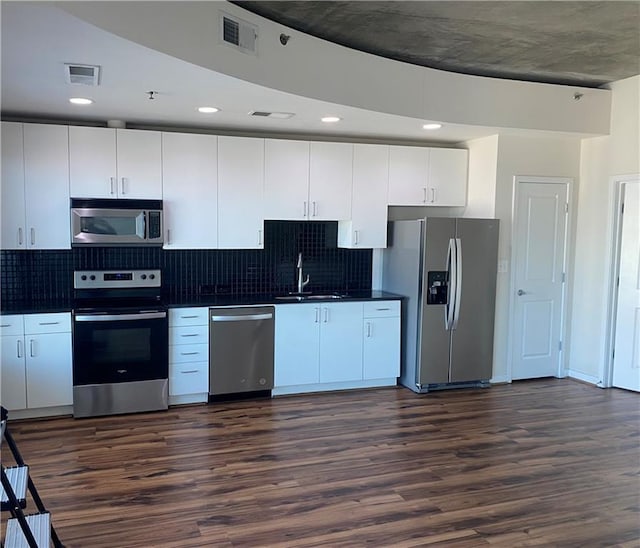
point(41, 412)
point(590, 379)
point(186, 399)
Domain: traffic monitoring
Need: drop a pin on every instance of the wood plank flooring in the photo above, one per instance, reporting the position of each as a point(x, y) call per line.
point(551, 462)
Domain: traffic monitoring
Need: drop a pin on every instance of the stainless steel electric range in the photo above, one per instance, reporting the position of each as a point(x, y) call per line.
point(120, 343)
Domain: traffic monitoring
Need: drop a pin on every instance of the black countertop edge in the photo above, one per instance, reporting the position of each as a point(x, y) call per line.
point(270, 298)
point(216, 300)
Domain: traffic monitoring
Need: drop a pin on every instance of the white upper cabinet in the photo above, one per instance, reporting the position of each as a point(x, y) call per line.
point(35, 186)
point(427, 176)
point(286, 179)
point(368, 225)
point(330, 181)
point(240, 193)
point(12, 199)
point(190, 190)
point(408, 173)
point(448, 176)
point(115, 163)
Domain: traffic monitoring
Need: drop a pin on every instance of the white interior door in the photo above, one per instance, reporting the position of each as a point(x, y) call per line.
point(626, 361)
point(539, 248)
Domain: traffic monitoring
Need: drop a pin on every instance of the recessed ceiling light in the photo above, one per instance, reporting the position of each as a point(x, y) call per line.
point(80, 101)
point(208, 110)
point(330, 119)
point(431, 126)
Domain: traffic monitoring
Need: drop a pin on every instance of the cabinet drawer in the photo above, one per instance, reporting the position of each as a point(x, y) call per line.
point(11, 324)
point(188, 316)
point(188, 353)
point(381, 309)
point(47, 323)
point(190, 334)
point(192, 378)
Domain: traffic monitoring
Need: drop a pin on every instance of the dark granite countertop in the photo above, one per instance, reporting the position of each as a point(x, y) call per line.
point(206, 300)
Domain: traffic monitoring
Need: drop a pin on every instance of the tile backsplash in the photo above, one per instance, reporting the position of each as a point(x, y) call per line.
point(43, 279)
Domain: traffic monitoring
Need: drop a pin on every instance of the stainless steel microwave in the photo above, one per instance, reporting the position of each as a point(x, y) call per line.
point(113, 222)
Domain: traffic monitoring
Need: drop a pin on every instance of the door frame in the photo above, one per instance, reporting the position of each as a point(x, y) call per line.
point(614, 240)
point(568, 182)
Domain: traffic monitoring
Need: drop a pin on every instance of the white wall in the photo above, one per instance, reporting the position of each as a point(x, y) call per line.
point(601, 159)
point(483, 171)
point(524, 156)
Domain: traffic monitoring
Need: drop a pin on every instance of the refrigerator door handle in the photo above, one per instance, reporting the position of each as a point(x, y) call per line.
point(458, 297)
point(452, 271)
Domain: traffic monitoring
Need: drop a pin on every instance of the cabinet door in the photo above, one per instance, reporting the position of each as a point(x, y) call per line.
point(139, 160)
point(381, 348)
point(448, 176)
point(190, 190)
point(240, 192)
point(368, 225)
point(188, 378)
point(13, 394)
point(297, 344)
point(12, 227)
point(286, 179)
point(341, 342)
point(330, 181)
point(92, 162)
point(46, 183)
point(408, 175)
point(49, 373)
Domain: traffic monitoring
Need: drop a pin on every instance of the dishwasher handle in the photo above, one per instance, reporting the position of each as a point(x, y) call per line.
point(242, 318)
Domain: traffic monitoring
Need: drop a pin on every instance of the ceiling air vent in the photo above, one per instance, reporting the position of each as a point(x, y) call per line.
point(267, 114)
point(87, 75)
point(239, 34)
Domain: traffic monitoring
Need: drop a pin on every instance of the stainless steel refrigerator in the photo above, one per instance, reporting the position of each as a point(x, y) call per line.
point(447, 269)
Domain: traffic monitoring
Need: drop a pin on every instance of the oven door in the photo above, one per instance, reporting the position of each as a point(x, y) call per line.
point(120, 347)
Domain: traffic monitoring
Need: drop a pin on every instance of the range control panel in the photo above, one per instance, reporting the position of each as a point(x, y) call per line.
point(101, 279)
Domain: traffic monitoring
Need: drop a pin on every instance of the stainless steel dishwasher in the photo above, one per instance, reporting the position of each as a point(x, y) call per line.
point(241, 349)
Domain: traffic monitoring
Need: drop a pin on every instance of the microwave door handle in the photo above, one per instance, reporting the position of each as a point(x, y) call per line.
point(141, 225)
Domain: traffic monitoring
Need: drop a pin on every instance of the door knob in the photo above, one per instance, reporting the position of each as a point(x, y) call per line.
point(521, 292)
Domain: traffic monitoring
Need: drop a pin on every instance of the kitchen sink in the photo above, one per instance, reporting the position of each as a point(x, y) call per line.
point(299, 298)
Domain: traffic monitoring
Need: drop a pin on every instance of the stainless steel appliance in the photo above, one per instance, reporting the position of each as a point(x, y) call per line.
point(447, 269)
point(116, 222)
point(241, 350)
point(120, 343)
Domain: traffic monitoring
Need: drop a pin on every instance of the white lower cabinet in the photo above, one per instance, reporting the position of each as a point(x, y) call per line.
point(36, 361)
point(188, 355)
point(324, 346)
point(381, 348)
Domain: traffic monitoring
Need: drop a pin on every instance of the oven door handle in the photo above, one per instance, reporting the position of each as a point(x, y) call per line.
point(120, 317)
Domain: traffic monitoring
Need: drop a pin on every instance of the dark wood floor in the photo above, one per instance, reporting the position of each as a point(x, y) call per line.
point(537, 463)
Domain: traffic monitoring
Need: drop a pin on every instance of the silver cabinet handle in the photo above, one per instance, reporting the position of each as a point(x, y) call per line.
point(357, 237)
point(368, 329)
point(190, 335)
point(317, 311)
point(112, 181)
point(315, 208)
point(383, 309)
point(433, 195)
point(188, 317)
point(189, 371)
point(424, 199)
point(521, 292)
point(326, 315)
point(20, 235)
point(259, 237)
point(31, 353)
point(305, 209)
point(123, 188)
point(5, 325)
point(168, 235)
point(48, 323)
point(33, 236)
point(189, 353)
point(19, 349)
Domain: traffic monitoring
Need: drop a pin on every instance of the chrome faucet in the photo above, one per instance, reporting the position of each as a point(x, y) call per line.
point(301, 283)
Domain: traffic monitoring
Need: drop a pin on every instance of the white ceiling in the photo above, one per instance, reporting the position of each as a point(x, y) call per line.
point(38, 39)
